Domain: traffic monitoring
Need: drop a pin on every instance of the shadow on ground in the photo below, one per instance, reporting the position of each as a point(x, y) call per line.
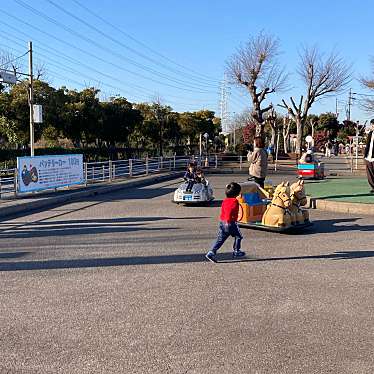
point(337, 225)
point(45, 227)
point(167, 259)
point(136, 193)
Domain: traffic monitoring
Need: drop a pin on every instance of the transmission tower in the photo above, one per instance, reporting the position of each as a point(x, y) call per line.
point(225, 92)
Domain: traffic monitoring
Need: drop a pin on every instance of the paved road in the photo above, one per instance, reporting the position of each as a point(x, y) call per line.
point(118, 284)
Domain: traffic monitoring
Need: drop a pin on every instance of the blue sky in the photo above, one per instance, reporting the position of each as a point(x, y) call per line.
point(192, 40)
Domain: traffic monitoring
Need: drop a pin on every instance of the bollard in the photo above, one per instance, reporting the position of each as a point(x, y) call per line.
point(161, 162)
point(15, 182)
point(110, 170)
point(146, 166)
point(114, 171)
point(216, 161)
point(103, 172)
point(240, 162)
point(85, 173)
point(174, 162)
point(130, 167)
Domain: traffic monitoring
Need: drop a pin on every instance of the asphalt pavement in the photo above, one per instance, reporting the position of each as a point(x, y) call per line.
point(118, 284)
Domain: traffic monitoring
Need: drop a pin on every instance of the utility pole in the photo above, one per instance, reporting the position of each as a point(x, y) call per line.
point(31, 100)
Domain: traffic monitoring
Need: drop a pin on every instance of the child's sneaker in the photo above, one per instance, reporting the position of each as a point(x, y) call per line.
point(210, 256)
point(237, 254)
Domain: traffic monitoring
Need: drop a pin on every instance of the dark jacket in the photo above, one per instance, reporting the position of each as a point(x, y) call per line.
point(367, 148)
point(189, 176)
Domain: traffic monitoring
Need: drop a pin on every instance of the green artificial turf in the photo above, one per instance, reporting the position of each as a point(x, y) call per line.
point(347, 190)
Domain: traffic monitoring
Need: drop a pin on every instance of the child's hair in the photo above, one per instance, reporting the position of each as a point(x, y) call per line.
point(191, 165)
point(233, 189)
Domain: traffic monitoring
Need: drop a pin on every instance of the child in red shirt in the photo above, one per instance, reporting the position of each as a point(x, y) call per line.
point(228, 226)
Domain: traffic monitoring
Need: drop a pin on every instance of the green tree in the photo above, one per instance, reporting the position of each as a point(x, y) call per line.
point(328, 122)
point(117, 120)
point(81, 118)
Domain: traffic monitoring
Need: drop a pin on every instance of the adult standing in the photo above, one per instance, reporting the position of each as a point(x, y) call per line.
point(328, 147)
point(369, 156)
point(258, 167)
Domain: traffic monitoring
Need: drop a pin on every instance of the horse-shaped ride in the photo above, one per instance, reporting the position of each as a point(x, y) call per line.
point(281, 211)
point(299, 215)
point(278, 212)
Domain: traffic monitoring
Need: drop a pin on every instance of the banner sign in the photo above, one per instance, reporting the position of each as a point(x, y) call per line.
point(44, 172)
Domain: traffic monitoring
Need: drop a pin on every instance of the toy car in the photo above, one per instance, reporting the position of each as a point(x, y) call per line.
point(200, 193)
point(313, 170)
point(309, 167)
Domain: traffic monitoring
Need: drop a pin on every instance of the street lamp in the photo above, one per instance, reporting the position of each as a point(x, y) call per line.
point(206, 137)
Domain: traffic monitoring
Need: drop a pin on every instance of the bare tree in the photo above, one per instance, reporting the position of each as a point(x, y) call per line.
point(312, 121)
point(286, 133)
point(321, 76)
point(255, 66)
point(9, 62)
point(369, 83)
point(40, 71)
point(272, 120)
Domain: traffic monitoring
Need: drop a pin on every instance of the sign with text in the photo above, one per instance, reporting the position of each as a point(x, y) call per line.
point(38, 113)
point(45, 172)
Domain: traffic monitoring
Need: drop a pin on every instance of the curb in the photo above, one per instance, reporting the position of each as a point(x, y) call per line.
point(26, 207)
point(340, 207)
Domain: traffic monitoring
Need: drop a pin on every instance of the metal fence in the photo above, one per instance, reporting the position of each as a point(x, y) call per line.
point(106, 171)
point(8, 182)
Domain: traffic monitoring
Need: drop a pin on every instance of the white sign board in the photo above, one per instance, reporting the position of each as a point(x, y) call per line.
point(309, 139)
point(6, 77)
point(45, 172)
point(38, 113)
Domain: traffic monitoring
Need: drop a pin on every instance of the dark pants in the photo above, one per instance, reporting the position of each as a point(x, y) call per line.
point(225, 230)
point(370, 173)
point(259, 181)
point(190, 184)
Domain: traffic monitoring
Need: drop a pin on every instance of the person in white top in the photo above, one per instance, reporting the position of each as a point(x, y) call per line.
point(369, 156)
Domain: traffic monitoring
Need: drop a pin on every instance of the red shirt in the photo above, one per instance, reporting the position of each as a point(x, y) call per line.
point(229, 209)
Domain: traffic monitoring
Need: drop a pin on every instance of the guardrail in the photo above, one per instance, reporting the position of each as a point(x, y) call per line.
point(106, 171)
point(8, 182)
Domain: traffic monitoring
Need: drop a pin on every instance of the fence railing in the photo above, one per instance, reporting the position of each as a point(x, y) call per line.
point(106, 171)
point(8, 182)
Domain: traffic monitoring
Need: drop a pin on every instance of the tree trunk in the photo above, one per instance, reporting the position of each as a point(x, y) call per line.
point(273, 136)
point(260, 128)
point(286, 136)
point(299, 135)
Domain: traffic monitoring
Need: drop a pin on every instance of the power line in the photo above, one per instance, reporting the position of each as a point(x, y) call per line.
point(98, 83)
point(110, 51)
point(95, 56)
point(141, 43)
point(55, 52)
point(15, 59)
point(109, 37)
